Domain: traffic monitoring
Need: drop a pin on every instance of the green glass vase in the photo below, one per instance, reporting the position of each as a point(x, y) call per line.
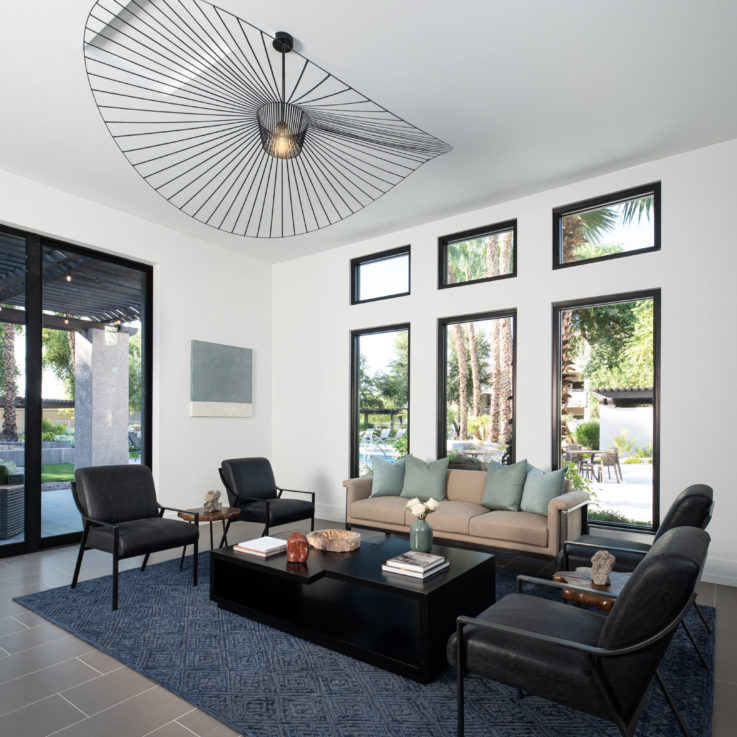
point(420, 536)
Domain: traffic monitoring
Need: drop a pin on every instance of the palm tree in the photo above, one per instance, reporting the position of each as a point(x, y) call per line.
point(460, 350)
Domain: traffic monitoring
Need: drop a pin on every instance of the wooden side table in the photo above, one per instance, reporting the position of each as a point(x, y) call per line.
point(601, 597)
point(224, 514)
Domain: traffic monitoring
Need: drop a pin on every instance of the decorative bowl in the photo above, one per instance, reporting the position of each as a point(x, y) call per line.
point(336, 541)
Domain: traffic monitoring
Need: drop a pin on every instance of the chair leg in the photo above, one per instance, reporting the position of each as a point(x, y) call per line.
point(115, 569)
point(348, 526)
point(145, 560)
point(672, 705)
point(696, 647)
point(312, 523)
point(82, 545)
point(703, 619)
point(195, 560)
point(181, 560)
point(266, 530)
point(459, 680)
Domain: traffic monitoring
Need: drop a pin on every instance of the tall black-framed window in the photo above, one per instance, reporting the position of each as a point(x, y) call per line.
point(615, 225)
point(77, 346)
point(380, 275)
point(606, 403)
point(477, 388)
point(478, 255)
point(380, 419)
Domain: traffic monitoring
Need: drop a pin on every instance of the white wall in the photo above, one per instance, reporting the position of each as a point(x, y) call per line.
point(696, 269)
point(200, 292)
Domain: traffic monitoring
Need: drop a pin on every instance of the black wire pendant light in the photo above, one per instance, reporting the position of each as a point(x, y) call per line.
point(235, 128)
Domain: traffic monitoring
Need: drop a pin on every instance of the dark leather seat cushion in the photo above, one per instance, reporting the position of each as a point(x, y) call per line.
point(581, 556)
point(545, 669)
point(281, 511)
point(141, 536)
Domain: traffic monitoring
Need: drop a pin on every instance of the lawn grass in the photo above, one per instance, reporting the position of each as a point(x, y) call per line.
point(57, 472)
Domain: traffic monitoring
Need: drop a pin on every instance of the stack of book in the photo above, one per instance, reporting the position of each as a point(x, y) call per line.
point(263, 547)
point(416, 565)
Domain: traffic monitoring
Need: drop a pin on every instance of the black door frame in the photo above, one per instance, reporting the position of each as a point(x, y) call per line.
point(35, 243)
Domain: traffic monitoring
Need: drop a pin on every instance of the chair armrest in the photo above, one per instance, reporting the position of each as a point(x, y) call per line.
point(297, 491)
point(356, 489)
point(100, 522)
point(601, 652)
point(562, 511)
point(599, 546)
point(163, 509)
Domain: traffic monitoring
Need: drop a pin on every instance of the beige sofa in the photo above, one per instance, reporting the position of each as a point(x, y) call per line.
point(462, 518)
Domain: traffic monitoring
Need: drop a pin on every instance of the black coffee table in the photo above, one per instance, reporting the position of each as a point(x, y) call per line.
point(343, 601)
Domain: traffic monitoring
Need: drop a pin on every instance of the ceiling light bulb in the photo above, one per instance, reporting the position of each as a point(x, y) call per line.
point(281, 142)
point(68, 277)
point(66, 319)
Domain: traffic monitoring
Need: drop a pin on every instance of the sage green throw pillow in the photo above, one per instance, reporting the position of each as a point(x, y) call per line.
point(424, 480)
point(388, 478)
point(503, 487)
point(540, 488)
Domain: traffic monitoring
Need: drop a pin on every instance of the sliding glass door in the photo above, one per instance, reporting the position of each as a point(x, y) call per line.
point(81, 344)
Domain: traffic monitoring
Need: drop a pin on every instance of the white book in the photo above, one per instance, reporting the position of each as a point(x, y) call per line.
point(415, 574)
point(415, 561)
point(411, 569)
point(262, 546)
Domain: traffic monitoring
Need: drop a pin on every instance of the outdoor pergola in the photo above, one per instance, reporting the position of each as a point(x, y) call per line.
point(78, 292)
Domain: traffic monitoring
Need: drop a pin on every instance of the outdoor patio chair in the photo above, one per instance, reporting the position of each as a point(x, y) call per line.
point(121, 516)
point(609, 460)
point(582, 659)
point(136, 443)
point(250, 485)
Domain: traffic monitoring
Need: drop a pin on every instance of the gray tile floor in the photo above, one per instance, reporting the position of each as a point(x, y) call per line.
point(52, 683)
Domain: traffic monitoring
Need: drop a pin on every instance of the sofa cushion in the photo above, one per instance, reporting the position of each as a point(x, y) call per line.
point(540, 488)
point(450, 516)
point(519, 527)
point(384, 509)
point(503, 486)
point(388, 478)
point(465, 486)
point(424, 480)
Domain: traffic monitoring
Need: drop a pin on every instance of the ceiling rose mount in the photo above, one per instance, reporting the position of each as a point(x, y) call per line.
point(237, 129)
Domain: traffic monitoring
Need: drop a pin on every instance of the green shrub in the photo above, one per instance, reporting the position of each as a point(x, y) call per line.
point(587, 434)
point(49, 429)
point(623, 443)
point(609, 515)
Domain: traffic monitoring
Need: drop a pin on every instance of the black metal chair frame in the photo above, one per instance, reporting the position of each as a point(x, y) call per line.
point(89, 523)
point(280, 490)
point(595, 654)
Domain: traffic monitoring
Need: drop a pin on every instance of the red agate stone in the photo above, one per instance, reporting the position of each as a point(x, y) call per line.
point(297, 548)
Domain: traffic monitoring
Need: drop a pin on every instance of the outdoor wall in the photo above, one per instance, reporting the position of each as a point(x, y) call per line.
point(637, 422)
point(312, 319)
point(200, 292)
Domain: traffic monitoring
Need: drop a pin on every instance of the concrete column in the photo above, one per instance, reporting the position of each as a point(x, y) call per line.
point(101, 398)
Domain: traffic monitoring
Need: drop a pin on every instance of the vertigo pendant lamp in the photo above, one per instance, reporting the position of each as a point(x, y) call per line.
point(234, 127)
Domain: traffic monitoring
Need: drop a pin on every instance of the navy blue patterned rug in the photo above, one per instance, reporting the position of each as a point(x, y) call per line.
point(264, 683)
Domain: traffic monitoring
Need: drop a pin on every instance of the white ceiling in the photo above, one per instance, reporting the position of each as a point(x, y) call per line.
point(530, 95)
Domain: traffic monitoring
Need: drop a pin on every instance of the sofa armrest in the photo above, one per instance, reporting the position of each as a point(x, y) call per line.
point(356, 489)
point(567, 515)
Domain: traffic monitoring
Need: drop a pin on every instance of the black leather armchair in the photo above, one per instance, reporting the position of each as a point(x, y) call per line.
point(121, 516)
point(250, 485)
point(691, 508)
point(601, 665)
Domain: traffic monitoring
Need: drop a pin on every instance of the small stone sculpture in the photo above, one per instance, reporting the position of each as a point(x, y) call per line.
point(297, 548)
point(211, 501)
point(601, 566)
